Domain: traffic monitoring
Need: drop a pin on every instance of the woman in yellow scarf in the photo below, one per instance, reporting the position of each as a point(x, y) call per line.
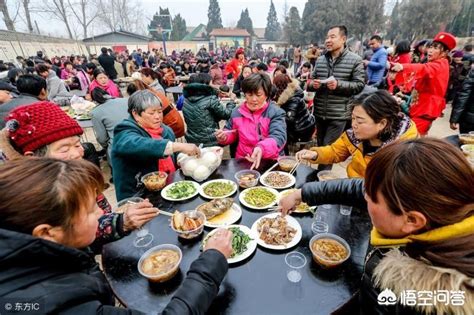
point(420, 198)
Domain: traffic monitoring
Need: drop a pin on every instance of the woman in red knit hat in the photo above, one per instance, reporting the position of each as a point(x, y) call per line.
point(431, 82)
point(234, 66)
point(43, 129)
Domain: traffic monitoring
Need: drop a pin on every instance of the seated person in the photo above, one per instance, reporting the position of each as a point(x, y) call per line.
point(143, 144)
point(57, 136)
point(420, 197)
point(258, 125)
point(202, 110)
point(57, 90)
point(46, 232)
point(102, 80)
point(377, 120)
point(246, 71)
point(152, 79)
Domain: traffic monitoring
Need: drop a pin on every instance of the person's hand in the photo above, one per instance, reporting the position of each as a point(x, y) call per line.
point(454, 126)
point(220, 241)
point(396, 67)
point(138, 214)
point(316, 84)
point(288, 203)
point(366, 62)
point(306, 155)
point(255, 158)
point(332, 85)
point(221, 135)
point(189, 148)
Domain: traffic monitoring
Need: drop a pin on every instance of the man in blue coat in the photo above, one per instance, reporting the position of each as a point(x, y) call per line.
point(377, 64)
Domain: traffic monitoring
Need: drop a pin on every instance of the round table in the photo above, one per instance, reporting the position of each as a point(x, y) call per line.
point(257, 285)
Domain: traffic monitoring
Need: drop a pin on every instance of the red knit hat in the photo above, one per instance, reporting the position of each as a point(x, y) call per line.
point(447, 39)
point(34, 126)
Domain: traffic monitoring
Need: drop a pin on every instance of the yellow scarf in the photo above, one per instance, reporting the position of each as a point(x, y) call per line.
point(459, 229)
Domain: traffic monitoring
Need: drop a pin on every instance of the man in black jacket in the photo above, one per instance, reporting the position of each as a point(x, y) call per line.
point(108, 63)
point(462, 115)
point(338, 75)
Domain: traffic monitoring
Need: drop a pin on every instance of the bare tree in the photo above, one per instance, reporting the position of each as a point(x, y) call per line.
point(86, 14)
point(57, 9)
point(120, 14)
point(26, 7)
point(6, 16)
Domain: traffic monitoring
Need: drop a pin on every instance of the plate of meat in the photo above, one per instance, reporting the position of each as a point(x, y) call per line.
point(277, 232)
point(220, 212)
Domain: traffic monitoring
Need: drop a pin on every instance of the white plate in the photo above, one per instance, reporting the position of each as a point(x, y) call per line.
point(251, 246)
point(165, 190)
point(224, 219)
point(264, 176)
point(291, 222)
point(244, 193)
point(288, 191)
point(202, 193)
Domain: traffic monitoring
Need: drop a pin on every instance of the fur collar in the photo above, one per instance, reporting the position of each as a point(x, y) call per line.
point(398, 272)
point(290, 90)
point(7, 147)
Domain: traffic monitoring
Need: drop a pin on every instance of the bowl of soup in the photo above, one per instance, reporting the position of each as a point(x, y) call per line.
point(329, 250)
point(247, 178)
point(286, 163)
point(160, 263)
point(154, 181)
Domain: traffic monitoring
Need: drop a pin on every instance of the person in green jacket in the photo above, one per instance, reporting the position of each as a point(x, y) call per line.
point(203, 111)
point(143, 144)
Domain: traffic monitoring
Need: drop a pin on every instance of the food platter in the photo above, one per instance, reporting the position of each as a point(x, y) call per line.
point(173, 193)
point(301, 208)
point(287, 180)
point(218, 188)
point(224, 219)
point(256, 191)
point(251, 245)
point(291, 223)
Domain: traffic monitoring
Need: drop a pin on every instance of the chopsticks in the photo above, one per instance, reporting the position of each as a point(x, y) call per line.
point(274, 208)
point(271, 168)
point(159, 211)
point(295, 167)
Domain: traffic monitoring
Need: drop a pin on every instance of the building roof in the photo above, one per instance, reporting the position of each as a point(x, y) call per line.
point(195, 33)
point(259, 32)
point(121, 34)
point(229, 32)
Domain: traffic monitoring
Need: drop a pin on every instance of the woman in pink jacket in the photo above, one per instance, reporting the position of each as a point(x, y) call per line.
point(102, 81)
point(258, 124)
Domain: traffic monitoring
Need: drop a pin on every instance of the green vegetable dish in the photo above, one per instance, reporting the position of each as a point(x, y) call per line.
point(218, 189)
point(239, 241)
point(259, 197)
point(181, 190)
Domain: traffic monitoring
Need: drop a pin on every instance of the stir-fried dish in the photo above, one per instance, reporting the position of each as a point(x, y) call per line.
point(329, 249)
point(276, 179)
point(185, 223)
point(218, 189)
point(239, 241)
point(301, 207)
point(160, 262)
point(259, 197)
point(181, 190)
point(275, 231)
point(215, 207)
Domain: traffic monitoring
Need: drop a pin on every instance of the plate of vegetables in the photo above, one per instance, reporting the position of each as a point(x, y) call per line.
point(258, 198)
point(244, 242)
point(218, 188)
point(180, 191)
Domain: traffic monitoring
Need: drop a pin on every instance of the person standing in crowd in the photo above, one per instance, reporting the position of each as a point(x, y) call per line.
point(289, 55)
point(378, 62)
point(108, 63)
point(431, 82)
point(32, 88)
point(152, 79)
point(102, 81)
point(468, 55)
point(457, 73)
point(462, 114)
point(56, 88)
point(237, 89)
point(312, 54)
point(344, 75)
point(235, 66)
point(402, 55)
point(217, 78)
point(419, 52)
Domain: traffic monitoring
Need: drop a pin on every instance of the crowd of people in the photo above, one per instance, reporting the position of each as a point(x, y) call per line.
point(324, 104)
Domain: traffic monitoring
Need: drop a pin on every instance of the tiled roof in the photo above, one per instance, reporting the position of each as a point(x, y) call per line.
point(229, 32)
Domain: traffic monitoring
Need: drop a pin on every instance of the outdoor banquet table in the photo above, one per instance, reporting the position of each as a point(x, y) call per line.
point(257, 285)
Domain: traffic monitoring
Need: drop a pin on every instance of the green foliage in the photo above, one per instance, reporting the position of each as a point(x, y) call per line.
point(273, 29)
point(160, 21)
point(394, 27)
point(364, 17)
point(245, 21)
point(179, 28)
point(292, 27)
point(214, 16)
point(463, 22)
point(320, 15)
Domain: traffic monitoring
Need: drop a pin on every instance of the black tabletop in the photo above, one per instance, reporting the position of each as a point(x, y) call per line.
point(257, 285)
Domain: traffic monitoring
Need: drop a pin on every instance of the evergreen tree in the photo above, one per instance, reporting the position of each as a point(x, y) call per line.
point(179, 28)
point(214, 16)
point(306, 20)
point(245, 21)
point(364, 17)
point(273, 29)
point(320, 15)
point(292, 27)
point(462, 23)
point(160, 21)
point(394, 29)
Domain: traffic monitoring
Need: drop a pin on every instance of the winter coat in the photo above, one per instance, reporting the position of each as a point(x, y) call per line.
point(463, 105)
point(431, 83)
point(23, 99)
point(66, 280)
point(57, 91)
point(108, 63)
point(157, 86)
point(235, 67)
point(389, 267)
point(300, 123)
point(376, 66)
point(110, 88)
point(348, 70)
point(119, 69)
point(202, 112)
point(265, 128)
point(216, 75)
point(348, 145)
point(135, 153)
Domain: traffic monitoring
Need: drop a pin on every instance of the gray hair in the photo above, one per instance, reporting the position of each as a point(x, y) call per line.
point(141, 100)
